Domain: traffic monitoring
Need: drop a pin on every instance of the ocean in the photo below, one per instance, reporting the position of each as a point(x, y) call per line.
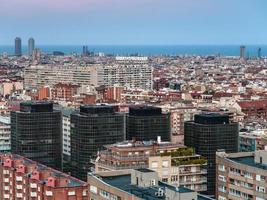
point(149, 50)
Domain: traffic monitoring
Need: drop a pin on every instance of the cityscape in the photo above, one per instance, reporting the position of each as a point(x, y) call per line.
point(130, 120)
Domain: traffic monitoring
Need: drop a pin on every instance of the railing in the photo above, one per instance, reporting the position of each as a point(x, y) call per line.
point(120, 167)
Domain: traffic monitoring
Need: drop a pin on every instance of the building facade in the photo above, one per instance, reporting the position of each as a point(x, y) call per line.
point(137, 184)
point(147, 123)
point(129, 72)
point(22, 178)
point(39, 76)
point(91, 129)
point(131, 154)
point(241, 175)
point(30, 46)
point(179, 115)
point(18, 51)
point(36, 133)
point(5, 143)
point(181, 168)
point(208, 133)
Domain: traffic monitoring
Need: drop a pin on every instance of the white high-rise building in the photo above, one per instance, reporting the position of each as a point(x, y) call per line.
point(130, 72)
point(48, 75)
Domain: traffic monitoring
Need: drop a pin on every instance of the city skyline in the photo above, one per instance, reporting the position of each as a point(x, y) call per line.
point(137, 22)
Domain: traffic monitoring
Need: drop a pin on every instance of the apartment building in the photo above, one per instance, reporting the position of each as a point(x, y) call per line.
point(241, 176)
point(181, 168)
point(253, 141)
point(179, 115)
point(22, 178)
point(38, 76)
point(139, 184)
point(5, 143)
point(131, 154)
point(129, 72)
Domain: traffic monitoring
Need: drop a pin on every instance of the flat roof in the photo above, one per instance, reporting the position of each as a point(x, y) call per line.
point(249, 160)
point(123, 182)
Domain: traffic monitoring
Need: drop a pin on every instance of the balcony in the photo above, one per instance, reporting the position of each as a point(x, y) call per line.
point(109, 166)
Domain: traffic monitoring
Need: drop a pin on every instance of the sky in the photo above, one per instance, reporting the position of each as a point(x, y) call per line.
point(134, 22)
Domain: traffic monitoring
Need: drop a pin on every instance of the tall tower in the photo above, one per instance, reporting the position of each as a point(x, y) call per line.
point(30, 46)
point(242, 51)
point(259, 53)
point(208, 133)
point(36, 133)
point(18, 51)
point(91, 129)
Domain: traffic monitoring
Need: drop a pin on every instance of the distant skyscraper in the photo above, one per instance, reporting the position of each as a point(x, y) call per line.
point(259, 52)
point(18, 51)
point(208, 133)
point(36, 133)
point(30, 46)
point(85, 51)
point(242, 51)
point(91, 129)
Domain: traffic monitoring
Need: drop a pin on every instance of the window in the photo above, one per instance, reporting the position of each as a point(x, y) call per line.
point(260, 189)
point(221, 168)
point(154, 164)
point(93, 189)
point(165, 180)
point(222, 188)
point(221, 198)
point(165, 163)
point(222, 178)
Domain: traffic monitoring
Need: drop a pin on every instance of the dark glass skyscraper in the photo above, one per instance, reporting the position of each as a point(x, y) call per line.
point(208, 133)
point(91, 129)
point(30, 46)
point(36, 133)
point(147, 122)
point(18, 51)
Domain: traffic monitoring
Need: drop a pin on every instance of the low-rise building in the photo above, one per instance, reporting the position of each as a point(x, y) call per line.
point(130, 154)
point(136, 185)
point(241, 175)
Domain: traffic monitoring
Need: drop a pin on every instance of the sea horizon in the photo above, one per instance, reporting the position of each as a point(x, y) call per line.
point(147, 50)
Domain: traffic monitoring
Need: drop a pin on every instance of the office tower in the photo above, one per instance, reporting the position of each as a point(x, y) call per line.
point(130, 72)
point(36, 133)
point(241, 175)
point(39, 76)
point(147, 123)
point(91, 129)
point(85, 51)
point(242, 51)
point(259, 53)
point(18, 51)
point(22, 178)
point(30, 46)
point(208, 133)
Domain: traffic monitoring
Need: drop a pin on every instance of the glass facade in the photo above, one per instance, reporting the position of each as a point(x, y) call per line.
point(37, 135)
point(208, 138)
point(91, 129)
point(146, 123)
